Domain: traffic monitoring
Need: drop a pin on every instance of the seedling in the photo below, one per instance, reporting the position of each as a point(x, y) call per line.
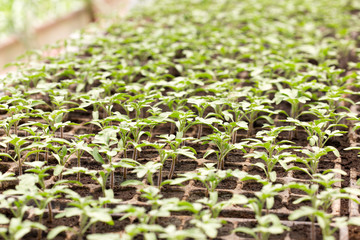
point(81, 147)
point(222, 142)
point(18, 228)
point(21, 145)
point(273, 149)
point(201, 104)
point(43, 196)
point(312, 159)
point(62, 154)
point(319, 131)
point(266, 224)
point(89, 211)
point(208, 176)
point(252, 108)
point(106, 142)
point(136, 129)
point(321, 201)
point(184, 121)
point(175, 142)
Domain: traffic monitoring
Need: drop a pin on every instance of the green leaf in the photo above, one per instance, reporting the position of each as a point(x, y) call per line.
point(177, 181)
point(342, 172)
point(97, 156)
point(300, 169)
point(55, 231)
point(260, 165)
point(209, 152)
point(58, 169)
point(272, 176)
point(313, 140)
point(4, 219)
point(132, 183)
point(270, 202)
point(238, 199)
point(107, 236)
point(354, 221)
point(301, 212)
point(7, 155)
point(267, 118)
point(246, 230)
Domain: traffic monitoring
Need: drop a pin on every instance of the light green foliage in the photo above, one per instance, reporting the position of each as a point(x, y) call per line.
point(266, 86)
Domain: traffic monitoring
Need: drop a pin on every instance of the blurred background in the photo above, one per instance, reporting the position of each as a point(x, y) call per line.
point(30, 24)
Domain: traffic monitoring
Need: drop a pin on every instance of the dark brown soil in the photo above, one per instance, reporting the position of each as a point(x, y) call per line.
point(354, 232)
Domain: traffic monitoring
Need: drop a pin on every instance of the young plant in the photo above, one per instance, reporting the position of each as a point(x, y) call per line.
point(266, 224)
point(88, 210)
point(174, 103)
point(148, 169)
point(31, 188)
point(40, 194)
point(21, 145)
point(201, 104)
point(184, 121)
point(81, 147)
point(62, 154)
point(209, 176)
point(107, 143)
point(157, 118)
point(175, 144)
point(312, 159)
point(274, 150)
point(216, 207)
point(321, 201)
point(124, 131)
point(18, 228)
point(138, 104)
point(251, 109)
point(297, 99)
point(55, 119)
point(222, 142)
point(319, 131)
point(136, 129)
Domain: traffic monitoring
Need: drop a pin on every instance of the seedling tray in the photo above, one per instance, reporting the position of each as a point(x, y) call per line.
point(151, 67)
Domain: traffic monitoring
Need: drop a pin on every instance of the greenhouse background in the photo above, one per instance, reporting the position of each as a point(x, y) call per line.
point(27, 25)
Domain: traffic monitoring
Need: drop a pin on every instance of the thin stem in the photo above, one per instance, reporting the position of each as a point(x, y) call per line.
point(39, 232)
point(135, 155)
point(78, 164)
point(233, 137)
point(251, 127)
point(16, 128)
point(20, 166)
point(46, 154)
point(125, 169)
point(160, 177)
point(37, 155)
point(313, 232)
point(112, 179)
point(61, 132)
point(200, 131)
point(172, 128)
point(172, 168)
point(51, 217)
point(150, 179)
point(176, 159)
point(151, 133)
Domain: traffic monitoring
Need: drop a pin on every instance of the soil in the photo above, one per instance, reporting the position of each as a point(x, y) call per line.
point(354, 232)
point(196, 191)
